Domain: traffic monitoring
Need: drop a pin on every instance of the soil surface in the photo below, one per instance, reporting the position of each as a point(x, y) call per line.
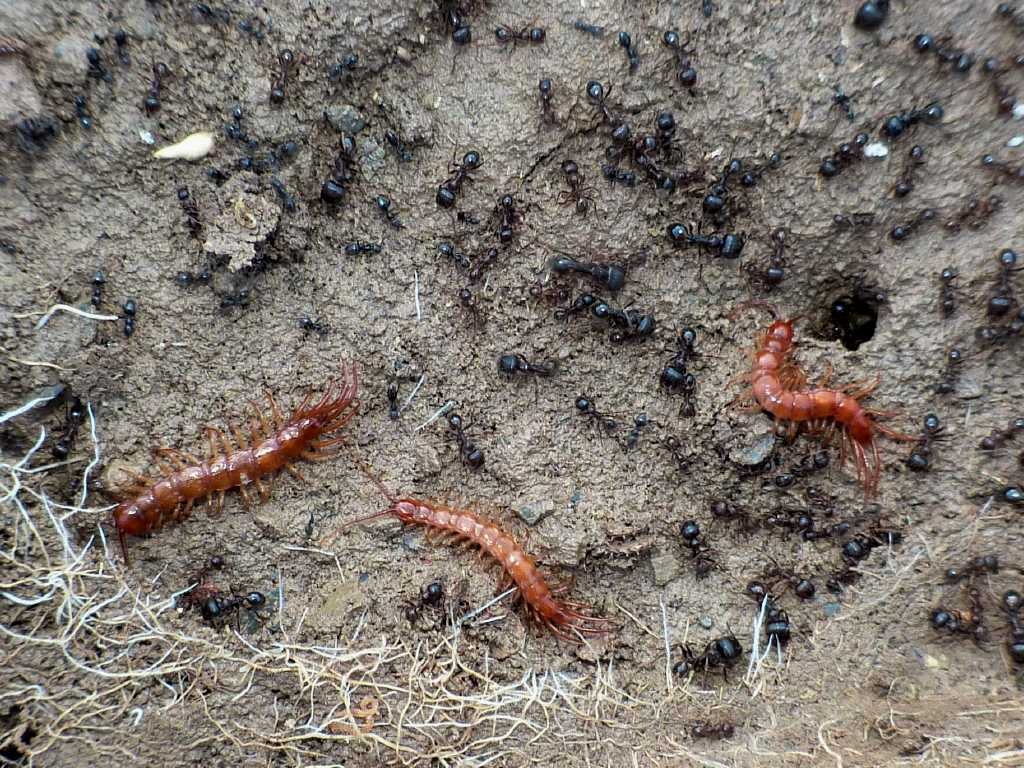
point(246, 287)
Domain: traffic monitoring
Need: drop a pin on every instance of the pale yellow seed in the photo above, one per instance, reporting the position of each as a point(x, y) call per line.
point(193, 147)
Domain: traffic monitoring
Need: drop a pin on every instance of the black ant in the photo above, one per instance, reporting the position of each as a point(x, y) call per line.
point(701, 729)
point(626, 42)
point(699, 548)
point(577, 194)
point(807, 465)
point(402, 151)
point(585, 406)
point(82, 112)
point(920, 458)
point(948, 384)
point(191, 209)
point(593, 30)
point(775, 272)
point(333, 190)
point(947, 276)
point(723, 652)
point(999, 437)
point(460, 172)
point(431, 596)
point(338, 70)
point(130, 308)
point(843, 101)
point(673, 445)
point(552, 295)
point(895, 125)
point(728, 246)
point(610, 276)
point(727, 511)
point(598, 96)
point(73, 419)
point(470, 303)
point(512, 363)
point(121, 41)
point(968, 622)
point(455, 18)
point(1011, 604)
point(905, 185)
point(857, 220)
point(629, 323)
point(975, 213)
point(976, 566)
point(845, 155)
point(356, 248)
point(309, 325)
point(901, 231)
point(1002, 301)
point(447, 250)
point(483, 263)
point(472, 456)
point(581, 303)
point(392, 393)
point(686, 73)
point(240, 297)
point(152, 102)
point(504, 34)
point(216, 609)
point(287, 60)
point(384, 206)
point(545, 89)
point(98, 281)
point(96, 68)
point(508, 217)
point(639, 422)
point(614, 175)
point(287, 199)
point(960, 60)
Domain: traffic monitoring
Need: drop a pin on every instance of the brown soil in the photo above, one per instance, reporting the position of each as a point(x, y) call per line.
point(96, 661)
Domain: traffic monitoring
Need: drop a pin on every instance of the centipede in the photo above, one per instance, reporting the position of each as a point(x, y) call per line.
point(568, 620)
point(274, 444)
point(779, 387)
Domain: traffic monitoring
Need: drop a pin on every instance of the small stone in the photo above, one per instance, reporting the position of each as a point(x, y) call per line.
point(531, 514)
point(345, 119)
point(403, 54)
point(707, 622)
point(1016, 141)
point(18, 95)
point(146, 137)
point(756, 453)
point(70, 67)
point(372, 158)
point(666, 566)
point(832, 609)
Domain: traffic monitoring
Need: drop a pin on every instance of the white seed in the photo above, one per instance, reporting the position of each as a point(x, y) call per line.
point(146, 137)
point(193, 147)
point(876, 149)
point(1018, 111)
point(1016, 141)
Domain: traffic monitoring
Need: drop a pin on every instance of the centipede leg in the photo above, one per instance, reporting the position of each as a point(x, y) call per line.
point(261, 489)
point(246, 497)
point(239, 437)
point(275, 411)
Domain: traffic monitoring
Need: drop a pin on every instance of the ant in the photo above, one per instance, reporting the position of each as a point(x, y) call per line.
point(700, 550)
point(902, 231)
point(287, 199)
point(455, 17)
point(845, 155)
point(843, 101)
point(121, 41)
point(598, 96)
point(73, 419)
point(448, 251)
point(469, 301)
point(975, 213)
point(1004, 169)
point(383, 203)
point(610, 276)
point(504, 34)
point(585, 406)
point(191, 209)
point(544, 87)
point(309, 325)
point(287, 60)
point(402, 151)
point(512, 363)
point(460, 172)
point(807, 465)
point(998, 437)
point(483, 263)
point(1011, 604)
point(577, 194)
point(216, 609)
point(686, 74)
point(616, 176)
point(920, 458)
point(722, 652)
point(431, 596)
point(803, 588)
point(631, 323)
point(701, 729)
point(152, 102)
point(728, 246)
point(238, 298)
point(727, 511)
point(130, 308)
point(356, 248)
point(337, 71)
point(949, 377)
point(626, 42)
point(905, 185)
point(509, 218)
point(96, 69)
point(1002, 301)
point(947, 276)
point(581, 303)
point(392, 393)
point(472, 456)
point(962, 62)
point(962, 622)
point(552, 295)
point(775, 272)
point(674, 446)
point(639, 422)
point(82, 112)
point(590, 29)
point(333, 190)
point(98, 281)
point(895, 125)
point(976, 566)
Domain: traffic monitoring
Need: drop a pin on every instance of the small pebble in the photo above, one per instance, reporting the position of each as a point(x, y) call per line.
point(1018, 111)
point(876, 149)
point(707, 622)
point(1016, 141)
point(147, 137)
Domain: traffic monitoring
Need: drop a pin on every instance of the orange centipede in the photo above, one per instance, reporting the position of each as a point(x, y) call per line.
point(780, 388)
point(149, 504)
point(568, 620)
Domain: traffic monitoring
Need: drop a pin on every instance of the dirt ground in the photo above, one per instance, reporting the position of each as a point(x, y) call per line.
point(102, 661)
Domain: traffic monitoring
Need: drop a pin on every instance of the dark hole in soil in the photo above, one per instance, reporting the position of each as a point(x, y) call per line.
point(854, 317)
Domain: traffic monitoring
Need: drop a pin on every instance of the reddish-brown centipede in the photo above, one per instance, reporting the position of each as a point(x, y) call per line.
point(568, 620)
point(779, 387)
point(152, 504)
